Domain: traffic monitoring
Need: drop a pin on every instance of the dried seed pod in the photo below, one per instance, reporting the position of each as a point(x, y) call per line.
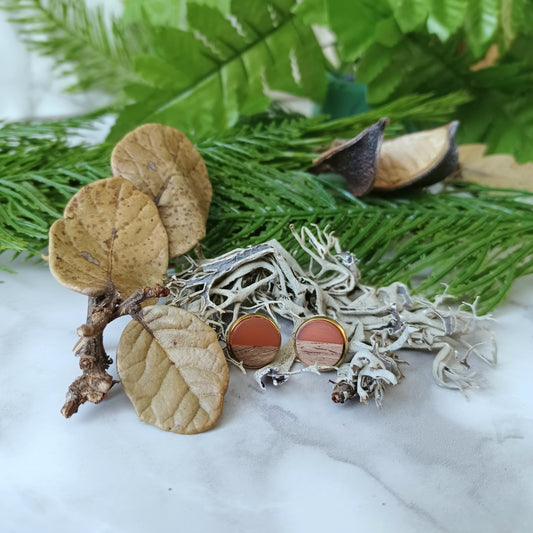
point(163, 163)
point(356, 159)
point(417, 159)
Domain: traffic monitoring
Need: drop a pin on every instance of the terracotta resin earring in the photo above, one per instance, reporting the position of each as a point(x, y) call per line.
point(320, 340)
point(254, 340)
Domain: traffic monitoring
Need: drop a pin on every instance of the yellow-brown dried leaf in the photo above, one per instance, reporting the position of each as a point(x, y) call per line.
point(162, 162)
point(498, 170)
point(111, 233)
point(177, 377)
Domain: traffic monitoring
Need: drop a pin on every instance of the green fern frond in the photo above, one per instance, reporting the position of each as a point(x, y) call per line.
point(219, 67)
point(418, 46)
point(81, 41)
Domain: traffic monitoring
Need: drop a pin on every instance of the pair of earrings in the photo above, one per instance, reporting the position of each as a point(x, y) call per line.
point(255, 340)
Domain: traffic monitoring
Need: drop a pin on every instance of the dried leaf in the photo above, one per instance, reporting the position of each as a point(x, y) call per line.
point(490, 59)
point(356, 159)
point(163, 163)
point(111, 235)
point(176, 375)
point(417, 159)
point(499, 170)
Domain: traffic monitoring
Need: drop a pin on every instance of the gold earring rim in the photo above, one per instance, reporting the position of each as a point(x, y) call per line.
point(338, 325)
point(242, 318)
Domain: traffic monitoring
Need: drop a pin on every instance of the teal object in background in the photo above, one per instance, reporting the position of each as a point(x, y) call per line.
point(344, 98)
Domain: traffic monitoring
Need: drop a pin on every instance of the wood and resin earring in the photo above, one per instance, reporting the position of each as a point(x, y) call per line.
point(254, 340)
point(320, 340)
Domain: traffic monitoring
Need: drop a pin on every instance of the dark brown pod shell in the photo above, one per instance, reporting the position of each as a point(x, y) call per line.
point(418, 159)
point(356, 159)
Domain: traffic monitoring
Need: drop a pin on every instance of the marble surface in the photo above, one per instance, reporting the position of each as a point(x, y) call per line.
point(284, 460)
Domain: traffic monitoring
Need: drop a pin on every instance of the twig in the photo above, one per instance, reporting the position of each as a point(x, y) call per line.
point(94, 384)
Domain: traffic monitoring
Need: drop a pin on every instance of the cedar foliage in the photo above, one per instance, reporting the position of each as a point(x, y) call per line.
point(199, 66)
point(475, 239)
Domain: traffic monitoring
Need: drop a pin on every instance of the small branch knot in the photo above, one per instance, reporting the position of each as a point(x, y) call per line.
point(94, 384)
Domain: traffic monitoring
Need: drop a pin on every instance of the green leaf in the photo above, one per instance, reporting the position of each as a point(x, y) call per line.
point(481, 24)
point(516, 19)
point(313, 12)
point(157, 11)
point(217, 31)
point(373, 63)
point(201, 84)
point(386, 78)
point(517, 138)
point(167, 12)
point(410, 14)
point(387, 32)
point(353, 23)
point(446, 17)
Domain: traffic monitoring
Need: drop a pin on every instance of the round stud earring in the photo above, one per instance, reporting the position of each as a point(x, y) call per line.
point(320, 340)
point(254, 340)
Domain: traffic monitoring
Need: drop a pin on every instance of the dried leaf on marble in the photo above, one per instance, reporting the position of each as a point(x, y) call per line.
point(163, 163)
point(111, 236)
point(498, 170)
point(173, 370)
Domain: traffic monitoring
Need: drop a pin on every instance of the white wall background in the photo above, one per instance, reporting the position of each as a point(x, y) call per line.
point(29, 88)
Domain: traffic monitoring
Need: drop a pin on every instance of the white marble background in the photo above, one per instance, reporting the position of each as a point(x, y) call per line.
point(283, 460)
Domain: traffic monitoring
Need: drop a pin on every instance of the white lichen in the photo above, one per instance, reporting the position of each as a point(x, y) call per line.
point(378, 322)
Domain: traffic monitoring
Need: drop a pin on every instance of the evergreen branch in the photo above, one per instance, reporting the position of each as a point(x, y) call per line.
point(81, 41)
point(475, 239)
point(292, 142)
point(38, 161)
point(477, 245)
point(39, 171)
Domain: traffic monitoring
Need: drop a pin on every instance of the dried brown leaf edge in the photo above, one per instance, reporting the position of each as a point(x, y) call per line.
point(498, 170)
point(111, 234)
point(162, 162)
point(173, 370)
